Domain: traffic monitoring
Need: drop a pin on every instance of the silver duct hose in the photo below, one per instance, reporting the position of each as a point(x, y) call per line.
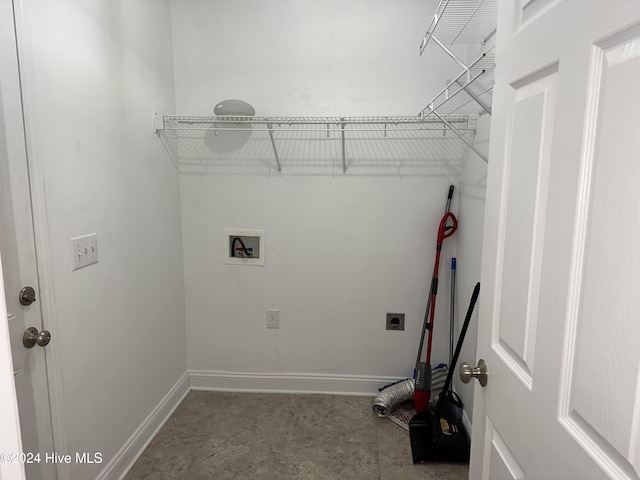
point(402, 391)
point(393, 395)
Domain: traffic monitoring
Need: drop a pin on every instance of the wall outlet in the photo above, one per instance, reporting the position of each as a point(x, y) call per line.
point(395, 321)
point(273, 318)
point(84, 251)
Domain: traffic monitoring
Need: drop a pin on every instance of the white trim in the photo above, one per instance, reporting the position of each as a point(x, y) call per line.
point(41, 240)
point(122, 461)
point(466, 422)
point(288, 382)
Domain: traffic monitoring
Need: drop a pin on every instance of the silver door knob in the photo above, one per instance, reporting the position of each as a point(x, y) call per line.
point(467, 372)
point(27, 295)
point(31, 338)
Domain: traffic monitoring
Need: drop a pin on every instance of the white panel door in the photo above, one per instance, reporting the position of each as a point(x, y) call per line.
point(19, 262)
point(560, 303)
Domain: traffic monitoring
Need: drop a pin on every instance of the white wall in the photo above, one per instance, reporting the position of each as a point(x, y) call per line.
point(94, 72)
point(471, 197)
point(309, 57)
point(341, 252)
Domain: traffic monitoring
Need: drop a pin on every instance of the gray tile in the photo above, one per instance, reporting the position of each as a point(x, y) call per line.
point(323, 418)
point(250, 454)
point(269, 412)
point(170, 445)
point(274, 414)
point(341, 460)
point(211, 413)
point(394, 453)
point(194, 415)
point(262, 404)
point(153, 465)
point(150, 468)
point(220, 435)
point(168, 456)
point(443, 471)
point(388, 432)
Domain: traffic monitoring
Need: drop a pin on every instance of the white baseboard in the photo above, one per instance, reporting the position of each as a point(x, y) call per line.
point(122, 462)
point(288, 382)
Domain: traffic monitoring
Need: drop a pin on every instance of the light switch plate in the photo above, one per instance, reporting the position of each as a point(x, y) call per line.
point(84, 251)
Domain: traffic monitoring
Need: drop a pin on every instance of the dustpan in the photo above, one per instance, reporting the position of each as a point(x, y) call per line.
point(440, 436)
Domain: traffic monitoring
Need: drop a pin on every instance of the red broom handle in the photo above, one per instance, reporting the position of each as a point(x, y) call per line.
point(442, 234)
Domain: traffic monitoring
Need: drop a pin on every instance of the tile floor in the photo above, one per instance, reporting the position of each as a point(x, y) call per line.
point(220, 436)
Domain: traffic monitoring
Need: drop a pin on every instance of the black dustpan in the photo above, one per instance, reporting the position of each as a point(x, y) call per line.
point(440, 436)
point(437, 439)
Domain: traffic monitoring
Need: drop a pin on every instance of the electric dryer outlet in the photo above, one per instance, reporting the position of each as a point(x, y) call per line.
point(395, 321)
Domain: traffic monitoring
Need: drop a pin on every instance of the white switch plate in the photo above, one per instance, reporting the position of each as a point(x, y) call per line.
point(84, 251)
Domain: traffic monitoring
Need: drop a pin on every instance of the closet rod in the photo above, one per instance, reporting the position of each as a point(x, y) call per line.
point(406, 120)
point(272, 128)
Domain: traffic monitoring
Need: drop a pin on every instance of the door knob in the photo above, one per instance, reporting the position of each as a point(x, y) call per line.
point(31, 338)
point(467, 372)
point(27, 295)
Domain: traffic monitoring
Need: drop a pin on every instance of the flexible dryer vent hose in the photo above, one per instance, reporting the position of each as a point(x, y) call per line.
point(402, 391)
point(393, 395)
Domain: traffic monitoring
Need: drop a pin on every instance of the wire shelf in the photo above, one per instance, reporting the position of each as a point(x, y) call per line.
point(464, 22)
point(458, 22)
point(324, 145)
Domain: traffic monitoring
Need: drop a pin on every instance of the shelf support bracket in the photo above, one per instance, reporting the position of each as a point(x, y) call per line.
point(466, 72)
point(478, 100)
point(158, 122)
point(344, 159)
point(273, 145)
point(461, 137)
point(450, 53)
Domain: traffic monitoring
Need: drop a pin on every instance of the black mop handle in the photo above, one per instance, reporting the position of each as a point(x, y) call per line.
point(467, 320)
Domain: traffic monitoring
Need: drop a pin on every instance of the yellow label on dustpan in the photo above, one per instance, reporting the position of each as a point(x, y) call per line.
point(444, 425)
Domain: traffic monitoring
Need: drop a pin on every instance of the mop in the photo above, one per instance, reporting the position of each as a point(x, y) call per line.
point(422, 372)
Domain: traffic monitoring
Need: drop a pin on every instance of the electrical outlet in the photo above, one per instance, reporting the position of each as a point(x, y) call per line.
point(273, 318)
point(84, 251)
point(395, 321)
